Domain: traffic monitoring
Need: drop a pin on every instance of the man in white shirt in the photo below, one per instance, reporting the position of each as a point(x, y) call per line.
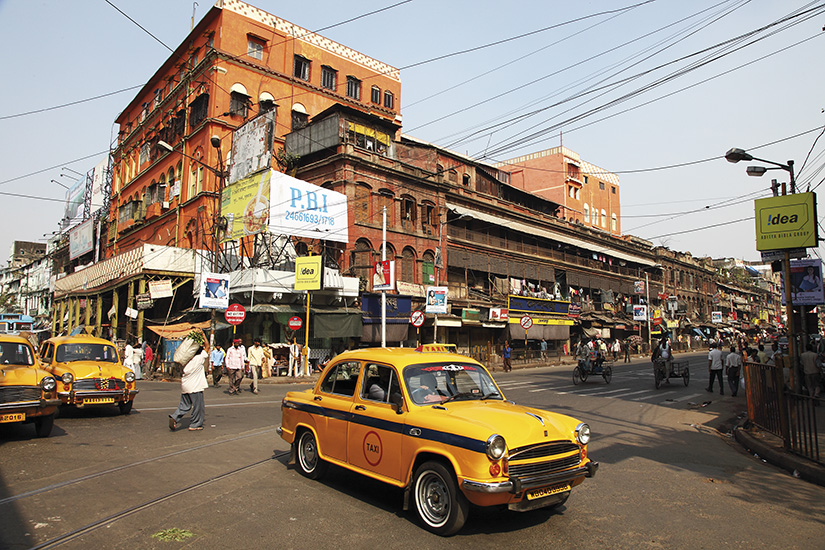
point(733, 366)
point(255, 356)
point(715, 368)
point(294, 359)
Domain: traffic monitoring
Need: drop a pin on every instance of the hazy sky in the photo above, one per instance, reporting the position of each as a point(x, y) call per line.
point(614, 81)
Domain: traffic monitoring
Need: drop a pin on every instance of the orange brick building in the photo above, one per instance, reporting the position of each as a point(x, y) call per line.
point(238, 61)
point(588, 194)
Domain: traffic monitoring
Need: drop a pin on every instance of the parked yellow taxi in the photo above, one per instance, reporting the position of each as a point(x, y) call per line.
point(88, 372)
point(27, 392)
point(435, 424)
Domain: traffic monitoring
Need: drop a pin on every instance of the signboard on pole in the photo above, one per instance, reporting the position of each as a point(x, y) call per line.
point(417, 318)
point(715, 316)
point(786, 221)
point(308, 273)
point(235, 314)
point(383, 275)
point(639, 313)
point(436, 299)
point(81, 239)
point(214, 292)
point(806, 283)
point(295, 323)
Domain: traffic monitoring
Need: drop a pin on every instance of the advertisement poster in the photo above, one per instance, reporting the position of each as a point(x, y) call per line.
point(214, 291)
point(161, 289)
point(252, 147)
point(307, 210)
point(715, 316)
point(81, 239)
point(308, 273)
point(436, 299)
point(245, 205)
point(383, 275)
point(639, 287)
point(806, 283)
point(639, 313)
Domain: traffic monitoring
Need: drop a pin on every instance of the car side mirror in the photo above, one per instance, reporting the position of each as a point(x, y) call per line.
point(397, 402)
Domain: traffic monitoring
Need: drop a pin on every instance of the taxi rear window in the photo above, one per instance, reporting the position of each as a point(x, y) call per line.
point(14, 353)
point(342, 378)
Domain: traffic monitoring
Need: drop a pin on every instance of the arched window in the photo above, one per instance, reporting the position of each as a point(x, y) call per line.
point(266, 103)
point(586, 213)
point(407, 271)
point(428, 268)
point(614, 223)
point(604, 217)
point(362, 203)
point(361, 265)
point(385, 198)
point(408, 212)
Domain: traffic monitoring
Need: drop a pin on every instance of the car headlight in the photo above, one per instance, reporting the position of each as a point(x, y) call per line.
point(130, 377)
point(583, 433)
point(48, 383)
point(67, 378)
point(496, 447)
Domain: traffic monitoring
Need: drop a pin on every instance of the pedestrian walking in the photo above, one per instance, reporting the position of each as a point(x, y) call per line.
point(235, 359)
point(715, 368)
point(543, 348)
point(216, 360)
point(128, 355)
point(294, 359)
point(305, 361)
point(810, 368)
point(148, 357)
point(733, 366)
point(617, 347)
point(255, 355)
point(192, 384)
point(627, 351)
point(507, 353)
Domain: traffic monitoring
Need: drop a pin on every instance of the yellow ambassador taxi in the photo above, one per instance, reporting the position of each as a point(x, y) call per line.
point(27, 392)
point(436, 424)
point(89, 372)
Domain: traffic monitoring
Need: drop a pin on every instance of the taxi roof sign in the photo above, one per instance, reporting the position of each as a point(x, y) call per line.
point(448, 348)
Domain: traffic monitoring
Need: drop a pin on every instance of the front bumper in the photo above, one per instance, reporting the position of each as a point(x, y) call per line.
point(517, 485)
point(81, 397)
point(39, 403)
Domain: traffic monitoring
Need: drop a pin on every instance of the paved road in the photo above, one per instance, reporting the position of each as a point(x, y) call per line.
point(668, 478)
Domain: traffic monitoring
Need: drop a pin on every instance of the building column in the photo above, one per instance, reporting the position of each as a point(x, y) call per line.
point(114, 317)
point(141, 290)
point(99, 315)
point(76, 312)
point(87, 314)
point(130, 300)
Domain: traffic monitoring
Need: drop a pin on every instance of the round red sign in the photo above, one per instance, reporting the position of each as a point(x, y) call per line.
point(417, 318)
point(235, 314)
point(526, 322)
point(295, 323)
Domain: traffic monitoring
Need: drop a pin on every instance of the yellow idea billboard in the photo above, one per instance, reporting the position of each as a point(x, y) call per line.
point(787, 221)
point(308, 273)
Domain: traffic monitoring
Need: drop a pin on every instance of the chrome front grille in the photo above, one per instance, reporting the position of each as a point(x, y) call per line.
point(100, 384)
point(14, 394)
point(540, 468)
point(540, 450)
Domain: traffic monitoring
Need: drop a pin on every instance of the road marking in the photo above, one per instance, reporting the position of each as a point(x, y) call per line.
point(606, 392)
point(539, 389)
point(209, 406)
point(628, 394)
point(657, 394)
point(685, 398)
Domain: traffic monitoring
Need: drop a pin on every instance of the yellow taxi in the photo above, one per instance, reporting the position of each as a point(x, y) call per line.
point(436, 424)
point(27, 392)
point(88, 372)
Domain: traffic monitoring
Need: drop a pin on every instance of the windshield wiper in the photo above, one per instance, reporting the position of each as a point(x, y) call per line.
point(456, 396)
point(491, 394)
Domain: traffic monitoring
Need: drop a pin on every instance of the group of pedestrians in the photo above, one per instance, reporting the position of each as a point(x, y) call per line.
point(733, 363)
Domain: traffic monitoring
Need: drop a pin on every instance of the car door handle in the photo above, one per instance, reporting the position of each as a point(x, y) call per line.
point(360, 408)
point(317, 398)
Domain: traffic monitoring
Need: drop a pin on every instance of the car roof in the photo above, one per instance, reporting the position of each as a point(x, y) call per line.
point(80, 339)
point(402, 357)
point(14, 338)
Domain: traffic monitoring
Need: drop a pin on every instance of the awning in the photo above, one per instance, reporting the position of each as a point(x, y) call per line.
point(699, 332)
point(371, 333)
point(180, 330)
point(450, 323)
point(532, 230)
point(337, 325)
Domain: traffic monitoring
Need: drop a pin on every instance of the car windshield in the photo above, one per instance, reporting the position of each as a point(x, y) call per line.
point(13, 353)
point(442, 382)
point(86, 352)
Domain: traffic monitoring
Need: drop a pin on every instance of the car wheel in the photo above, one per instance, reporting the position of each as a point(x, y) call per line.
point(125, 407)
point(441, 507)
point(310, 464)
point(607, 374)
point(577, 376)
point(43, 425)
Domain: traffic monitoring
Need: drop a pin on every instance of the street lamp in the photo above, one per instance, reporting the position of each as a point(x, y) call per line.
point(735, 155)
point(439, 262)
point(221, 174)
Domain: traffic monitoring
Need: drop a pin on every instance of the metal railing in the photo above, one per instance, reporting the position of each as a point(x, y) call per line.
point(777, 410)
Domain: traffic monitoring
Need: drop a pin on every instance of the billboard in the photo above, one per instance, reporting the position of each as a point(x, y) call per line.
point(787, 221)
point(308, 273)
point(436, 299)
point(307, 210)
point(639, 313)
point(98, 195)
point(214, 292)
point(81, 239)
point(252, 147)
point(806, 283)
point(245, 204)
point(75, 196)
point(383, 275)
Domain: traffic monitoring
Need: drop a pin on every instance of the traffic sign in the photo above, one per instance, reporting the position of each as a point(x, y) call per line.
point(526, 322)
point(295, 323)
point(417, 318)
point(235, 314)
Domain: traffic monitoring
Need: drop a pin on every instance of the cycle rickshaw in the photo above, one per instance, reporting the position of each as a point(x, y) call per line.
point(680, 370)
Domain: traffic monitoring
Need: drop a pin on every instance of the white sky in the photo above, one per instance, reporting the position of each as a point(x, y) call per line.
point(58, 52)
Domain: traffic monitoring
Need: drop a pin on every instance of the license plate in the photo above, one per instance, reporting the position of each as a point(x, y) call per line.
point(547, 491)
point(99, 400)
point(12, 417)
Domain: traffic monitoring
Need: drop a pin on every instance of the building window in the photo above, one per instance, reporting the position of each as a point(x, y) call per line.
point(408, 212)
point(300, 67)
point(238, 104)
point(198, 110)
point(584, 179)
point(604, 218)
point(144, 153)
point(329, 78)
point(362, 203)
point(614, 223)
point(266, 103)
point(601, 185)
point(389, 100)
point(375, 95)
point(158, 97)
point(613, 190)
point(407, 266)
point(571, 192)
point(254, 48)
point(354, 88)
point(299, 120)
point(586, 213)
point(465, 179)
